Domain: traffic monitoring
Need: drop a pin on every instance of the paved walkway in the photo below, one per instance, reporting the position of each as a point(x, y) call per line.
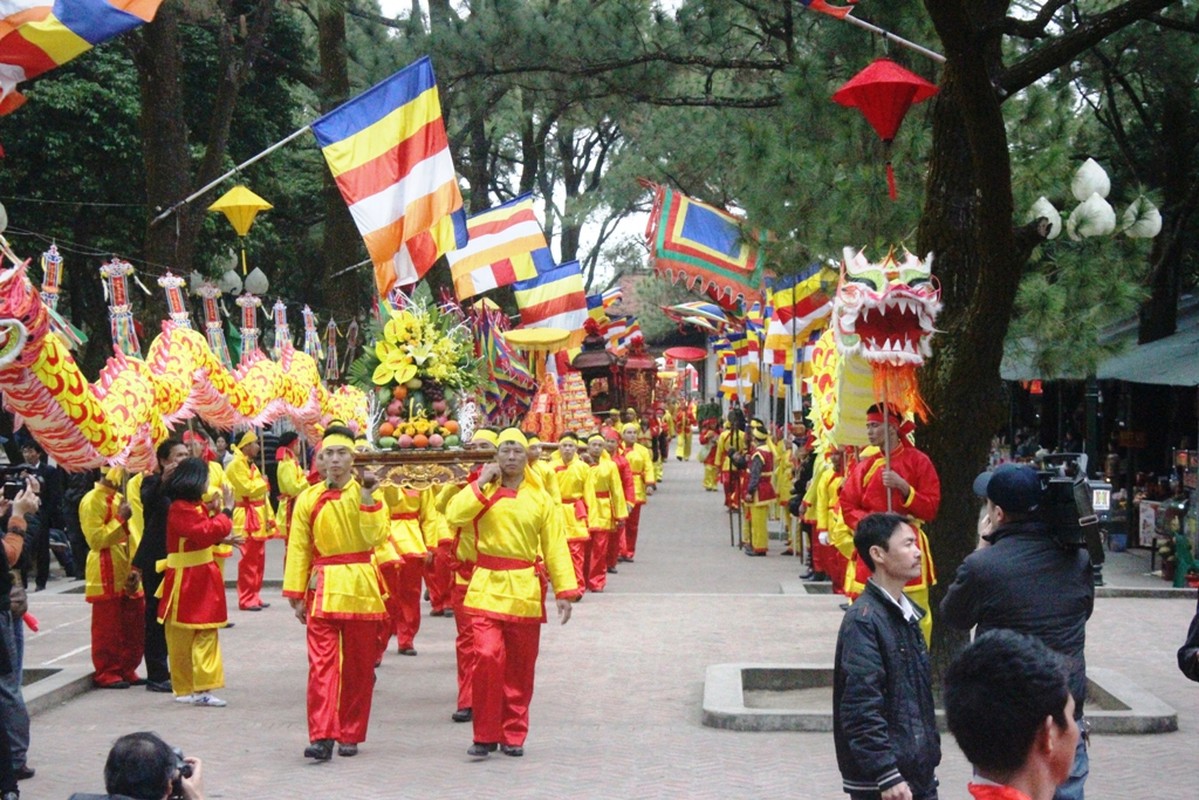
point(617, 708)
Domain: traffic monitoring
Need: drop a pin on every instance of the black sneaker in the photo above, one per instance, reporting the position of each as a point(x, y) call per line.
point(347, 749)
point(321, 750)
point(462, 715)
point(23, 772)
point(163, 687)
point(514, 750)
point(481, 749)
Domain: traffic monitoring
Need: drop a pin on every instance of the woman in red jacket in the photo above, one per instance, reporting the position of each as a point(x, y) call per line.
point(192, 602)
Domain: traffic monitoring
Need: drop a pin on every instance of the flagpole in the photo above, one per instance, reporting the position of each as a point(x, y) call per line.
point(208, 187)
point(866, 26)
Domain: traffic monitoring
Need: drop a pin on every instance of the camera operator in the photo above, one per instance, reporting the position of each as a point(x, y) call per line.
point(141, 766)
point(52, 479)
point(13, 605)
point(1026, 577)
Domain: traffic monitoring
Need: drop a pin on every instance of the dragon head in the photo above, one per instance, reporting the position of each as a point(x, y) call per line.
point(886, 312)
point(23, 316)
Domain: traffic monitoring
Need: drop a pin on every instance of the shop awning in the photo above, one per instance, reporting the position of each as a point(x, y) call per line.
point(1173, 361)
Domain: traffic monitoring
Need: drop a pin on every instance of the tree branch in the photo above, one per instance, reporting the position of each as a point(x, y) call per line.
point(1062, 50)
point(1175, 24)
point(1033, 28)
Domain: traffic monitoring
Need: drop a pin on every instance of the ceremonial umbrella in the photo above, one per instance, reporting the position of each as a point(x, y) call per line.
point(538, 340)
point(240, 206)
point(884, 92)
point(686, 353)
point(700, 313)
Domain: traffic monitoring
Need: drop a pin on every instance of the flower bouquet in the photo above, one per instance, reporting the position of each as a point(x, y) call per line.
point(421, 360)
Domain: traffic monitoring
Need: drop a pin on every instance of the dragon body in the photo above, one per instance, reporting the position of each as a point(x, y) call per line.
point(135, 403)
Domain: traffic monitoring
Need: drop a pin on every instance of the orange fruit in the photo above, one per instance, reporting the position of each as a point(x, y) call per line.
point(387, 429)
point(420, 440)
point(400, 392)
point(451, 426)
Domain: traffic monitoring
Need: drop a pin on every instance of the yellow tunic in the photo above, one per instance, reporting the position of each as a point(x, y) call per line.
point(329, 552)
point(137, 522)
point(251, 495)
point(641, 465)
point(514, 530)
point(292, 481)
point(216, 486)
point(604, 495)
point(412, 513)
point(572, 485)
point(108, 537)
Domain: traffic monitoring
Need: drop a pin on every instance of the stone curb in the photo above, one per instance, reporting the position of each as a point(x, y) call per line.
point(725, 686)
point(58, 685)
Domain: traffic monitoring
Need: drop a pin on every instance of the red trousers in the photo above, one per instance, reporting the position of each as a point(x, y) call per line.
point(596, 568)
point(464, 646)
point(731, 480)
point(835, 566)
point(249, 573)
point(341, 677)
point(440, 579)
point(631, 526)
point(578, 555)
point(506, 653)
point(822, 556)
point(118, 638)
point(616, 544)
point(403, 602)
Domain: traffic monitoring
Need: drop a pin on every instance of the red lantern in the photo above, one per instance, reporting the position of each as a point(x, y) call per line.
point(884, 92)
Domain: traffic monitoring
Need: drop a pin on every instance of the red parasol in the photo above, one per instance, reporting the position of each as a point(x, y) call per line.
point(686, 353)
point(884, 92)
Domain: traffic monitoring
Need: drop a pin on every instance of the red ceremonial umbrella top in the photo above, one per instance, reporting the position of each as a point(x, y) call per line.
point(884, 92)
point(686, 353)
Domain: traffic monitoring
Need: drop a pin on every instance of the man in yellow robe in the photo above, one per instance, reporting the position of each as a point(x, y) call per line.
point(333, 586)
point(251, 518)
point(519, 542)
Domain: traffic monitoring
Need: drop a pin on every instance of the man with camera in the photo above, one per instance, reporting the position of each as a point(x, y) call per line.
point(141, 766)
point(1031, 579)
point(14, 717)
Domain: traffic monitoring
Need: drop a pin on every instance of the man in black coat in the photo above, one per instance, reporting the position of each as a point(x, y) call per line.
point(884, 725)
point(151, 550)
point(1025, 579)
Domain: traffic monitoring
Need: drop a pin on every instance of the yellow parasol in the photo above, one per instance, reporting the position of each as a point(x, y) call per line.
point(538, 340)
point(240, 206)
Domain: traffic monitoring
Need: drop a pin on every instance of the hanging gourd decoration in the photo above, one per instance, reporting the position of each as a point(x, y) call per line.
point(884, 92)
point(240, 206)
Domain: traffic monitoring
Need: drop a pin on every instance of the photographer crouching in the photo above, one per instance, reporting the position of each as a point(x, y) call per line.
point(1030, 577)
point(141, 766)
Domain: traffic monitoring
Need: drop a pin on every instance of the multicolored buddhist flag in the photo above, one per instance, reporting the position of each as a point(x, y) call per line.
point(389, 155)
point(800, 305)
point(505, 244)
point(703, 247)
point(554, 299)
point(37, 36)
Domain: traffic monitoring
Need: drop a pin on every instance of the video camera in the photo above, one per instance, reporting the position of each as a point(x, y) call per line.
point(1068, 510)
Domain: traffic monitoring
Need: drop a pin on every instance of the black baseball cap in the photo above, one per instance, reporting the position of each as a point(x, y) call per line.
point(1015, 488)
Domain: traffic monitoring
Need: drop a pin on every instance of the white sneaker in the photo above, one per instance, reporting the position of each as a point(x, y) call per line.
point(185, 698)
point(206, 699)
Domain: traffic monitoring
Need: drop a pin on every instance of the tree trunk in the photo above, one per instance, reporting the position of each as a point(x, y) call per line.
point(967, 225)
point(165, 141)
point(341, 245)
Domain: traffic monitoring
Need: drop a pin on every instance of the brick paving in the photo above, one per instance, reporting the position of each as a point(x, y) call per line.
point(617, 708)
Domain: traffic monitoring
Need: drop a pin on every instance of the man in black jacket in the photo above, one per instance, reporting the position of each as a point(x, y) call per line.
point(884, 725)
point(150, 551)
point(1025, 579)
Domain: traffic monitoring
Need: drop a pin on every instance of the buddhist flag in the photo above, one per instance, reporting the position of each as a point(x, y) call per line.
point(505, 244)
point(554, 299)
point(389, 155)
point(37, 36)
